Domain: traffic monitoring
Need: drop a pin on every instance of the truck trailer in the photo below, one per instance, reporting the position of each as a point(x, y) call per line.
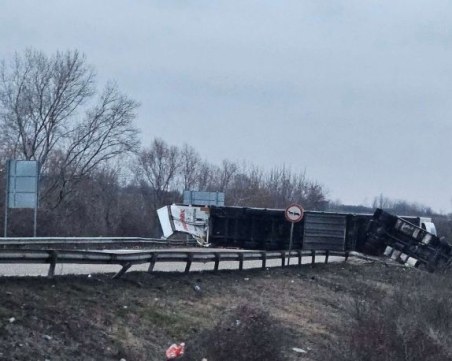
point(408, 239)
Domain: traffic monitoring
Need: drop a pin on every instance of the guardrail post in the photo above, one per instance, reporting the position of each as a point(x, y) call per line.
point(283, 258)
point(241, 261)
point(313, 258)
point(152, 262)
point(299, 257)
point(53, 259)
point(123, 270)
point(189, 262)
point(264, 260)
point(327, 254)
point(346, 256)
point(217, 262)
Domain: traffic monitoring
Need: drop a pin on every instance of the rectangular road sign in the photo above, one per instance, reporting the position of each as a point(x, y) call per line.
point(23, 176)
point(196, 198)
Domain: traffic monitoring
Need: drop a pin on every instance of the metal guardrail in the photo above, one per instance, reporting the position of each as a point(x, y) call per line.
point(126, 260)
point(51, 241)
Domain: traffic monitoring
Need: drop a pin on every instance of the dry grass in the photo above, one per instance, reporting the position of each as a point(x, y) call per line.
point(246, 333)
point(411, 320)
point(138, 317)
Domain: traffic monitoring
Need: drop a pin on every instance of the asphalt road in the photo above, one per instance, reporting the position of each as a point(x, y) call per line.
point(61, 269)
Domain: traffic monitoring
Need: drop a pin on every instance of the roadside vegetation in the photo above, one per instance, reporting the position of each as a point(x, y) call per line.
point(352, 311)
point(410, 320)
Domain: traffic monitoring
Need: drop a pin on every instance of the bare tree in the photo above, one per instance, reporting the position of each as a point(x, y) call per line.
point(279, 183)
point(206, 177)
point(190, 167)
point(49, 109)
point(313, 196)
point(286, 187)
point(158, 167)
point(106, 133)
point(247, 188)
point(225, 174)
point(37, 95)
point(157, 170)
point(382, 202)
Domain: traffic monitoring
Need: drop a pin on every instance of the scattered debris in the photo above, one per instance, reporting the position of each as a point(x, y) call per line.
point(246, 279)
point(197, 288)
point(175, 351)
point(299, 350)
point(11, 320)
point(125, 307)
point(47, 337)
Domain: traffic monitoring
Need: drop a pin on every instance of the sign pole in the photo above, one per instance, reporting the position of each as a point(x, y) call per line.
point(294, 213)
point(5, 231)
point(35, 221)
point(36, 201)
point(290, 242)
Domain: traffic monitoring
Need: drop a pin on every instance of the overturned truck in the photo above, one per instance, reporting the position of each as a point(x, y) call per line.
point(409, 240)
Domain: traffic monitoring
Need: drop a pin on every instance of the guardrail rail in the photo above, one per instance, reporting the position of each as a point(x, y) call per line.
point(126, 260)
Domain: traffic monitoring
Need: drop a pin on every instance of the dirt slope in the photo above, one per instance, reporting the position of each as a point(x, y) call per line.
point(139, 316)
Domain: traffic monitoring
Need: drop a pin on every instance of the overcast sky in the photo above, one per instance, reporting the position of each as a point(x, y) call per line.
point(357, 93)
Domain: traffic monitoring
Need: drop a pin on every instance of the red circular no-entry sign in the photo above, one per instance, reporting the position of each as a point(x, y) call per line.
point(294, 213)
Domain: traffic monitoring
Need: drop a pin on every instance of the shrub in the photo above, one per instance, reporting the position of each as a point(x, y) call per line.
point(247, 333)
point(413, 322)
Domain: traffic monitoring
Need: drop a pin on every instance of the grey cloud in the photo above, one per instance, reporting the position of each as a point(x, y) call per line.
point(355, 92)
